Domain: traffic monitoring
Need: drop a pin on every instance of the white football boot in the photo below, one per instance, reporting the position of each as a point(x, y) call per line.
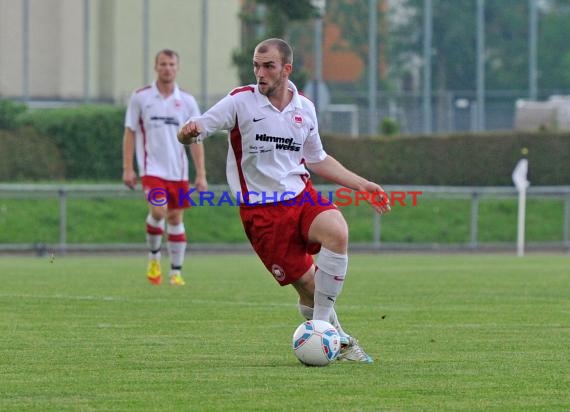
point(350, 350)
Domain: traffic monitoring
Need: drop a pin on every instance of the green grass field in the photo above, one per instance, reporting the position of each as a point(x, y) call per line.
point(449, 332)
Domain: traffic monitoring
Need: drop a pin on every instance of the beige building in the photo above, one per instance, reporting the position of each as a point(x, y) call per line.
point(102, 50)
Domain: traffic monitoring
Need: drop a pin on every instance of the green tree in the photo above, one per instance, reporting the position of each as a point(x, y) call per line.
point(453, 41)
point(352, 17)
point(507, 47)
point(554, 50)
point(506, 43)
point(263, 19)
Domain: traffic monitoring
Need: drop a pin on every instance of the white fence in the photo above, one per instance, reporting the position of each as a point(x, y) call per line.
point(474, 194)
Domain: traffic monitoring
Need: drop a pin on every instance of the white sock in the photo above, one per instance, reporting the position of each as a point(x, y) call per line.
point(329, 279)
point(176, 246)
point(307, 313)
point(154, 232)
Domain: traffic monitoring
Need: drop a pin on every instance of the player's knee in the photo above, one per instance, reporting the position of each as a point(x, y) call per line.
point(158, 213)
point(174, 217)
point(330, 230)
point(336, 235)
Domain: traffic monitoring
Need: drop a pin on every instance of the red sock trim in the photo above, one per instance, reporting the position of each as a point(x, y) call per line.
point(151, 230)
point(177, 238)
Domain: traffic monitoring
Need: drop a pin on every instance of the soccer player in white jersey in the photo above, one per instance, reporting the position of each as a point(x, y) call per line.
point(154, 115)
point(273, 140)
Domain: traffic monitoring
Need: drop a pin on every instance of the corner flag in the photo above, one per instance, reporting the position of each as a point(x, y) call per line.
point(520, 180)
point(520, 175)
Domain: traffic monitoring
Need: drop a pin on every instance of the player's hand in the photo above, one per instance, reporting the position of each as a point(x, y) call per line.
point(201, 183)
point(189, 133)
point(130, 178)
point(379, 199)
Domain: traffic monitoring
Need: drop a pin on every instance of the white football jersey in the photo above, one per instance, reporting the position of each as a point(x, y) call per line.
point(267, 147)
point(155, 121)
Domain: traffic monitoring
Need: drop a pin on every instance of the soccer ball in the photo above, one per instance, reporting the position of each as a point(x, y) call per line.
point(316, 343)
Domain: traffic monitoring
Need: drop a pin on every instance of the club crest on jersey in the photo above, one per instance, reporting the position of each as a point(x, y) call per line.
point(297, 120)
point(178, 104)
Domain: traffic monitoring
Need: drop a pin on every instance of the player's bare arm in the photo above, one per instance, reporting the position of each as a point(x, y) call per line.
point(197, 153)
point(129, 175)
point(334, 171)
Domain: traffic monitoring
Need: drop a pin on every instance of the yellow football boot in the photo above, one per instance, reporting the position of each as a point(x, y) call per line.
point(154, 272)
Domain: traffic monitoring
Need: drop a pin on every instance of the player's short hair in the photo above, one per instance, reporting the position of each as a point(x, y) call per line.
point(166, 52)
point(282, 46)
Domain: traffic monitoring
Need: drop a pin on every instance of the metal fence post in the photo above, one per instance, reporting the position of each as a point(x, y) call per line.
point(566, 222)
point(62, 220)
point(377, 230)
point(474, 220)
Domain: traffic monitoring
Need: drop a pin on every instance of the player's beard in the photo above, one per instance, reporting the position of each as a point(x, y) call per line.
point(271, 89)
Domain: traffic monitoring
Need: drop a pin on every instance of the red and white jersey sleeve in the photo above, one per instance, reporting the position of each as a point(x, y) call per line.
point(267, 147)
point(155, 121)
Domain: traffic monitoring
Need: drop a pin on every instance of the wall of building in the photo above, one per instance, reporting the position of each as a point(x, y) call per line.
point(97, 49)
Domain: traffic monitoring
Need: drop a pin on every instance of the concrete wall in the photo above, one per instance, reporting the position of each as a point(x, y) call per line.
point(10, 48)
point(99, 51)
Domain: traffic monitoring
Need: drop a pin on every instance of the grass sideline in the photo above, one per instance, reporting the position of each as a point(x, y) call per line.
point(436, 221)
point(449, 332)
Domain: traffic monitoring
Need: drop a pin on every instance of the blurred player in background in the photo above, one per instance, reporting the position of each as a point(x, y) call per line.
point(154, 115)
point(273, 138)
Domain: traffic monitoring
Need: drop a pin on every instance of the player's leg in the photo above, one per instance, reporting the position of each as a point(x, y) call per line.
point(330, 230)
point(176, 232)
point(176, 244)
point(154, 232)
point(350, 350)
point(305, 287)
